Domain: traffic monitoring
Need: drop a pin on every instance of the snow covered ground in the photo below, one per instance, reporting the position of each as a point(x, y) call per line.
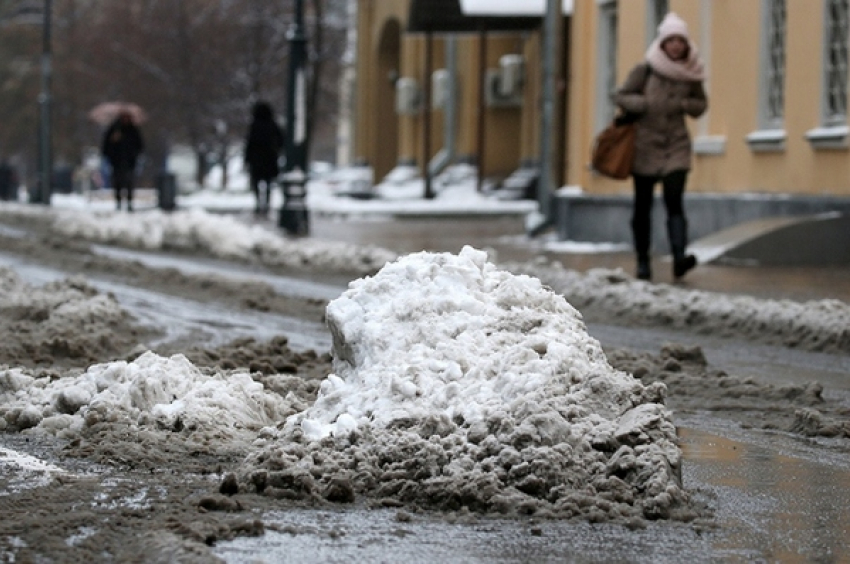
point(199, 225)
point(482, 374)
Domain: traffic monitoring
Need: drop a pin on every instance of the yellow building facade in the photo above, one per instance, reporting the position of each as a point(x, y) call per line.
point(777, 86)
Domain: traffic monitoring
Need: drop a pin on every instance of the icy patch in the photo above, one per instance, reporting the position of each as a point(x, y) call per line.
point(23, 471)
point(457, 384)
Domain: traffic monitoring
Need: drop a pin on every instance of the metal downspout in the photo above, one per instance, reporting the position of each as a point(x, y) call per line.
point(550, 42)
point(446, 155)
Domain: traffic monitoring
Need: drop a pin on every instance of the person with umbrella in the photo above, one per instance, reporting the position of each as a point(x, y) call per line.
point(122, 145)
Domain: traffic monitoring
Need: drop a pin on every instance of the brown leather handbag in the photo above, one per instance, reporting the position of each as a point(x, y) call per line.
point(614, 148)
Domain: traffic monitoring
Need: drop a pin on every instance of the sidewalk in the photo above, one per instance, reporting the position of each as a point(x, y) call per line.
point(511, 244)
point(459, 215)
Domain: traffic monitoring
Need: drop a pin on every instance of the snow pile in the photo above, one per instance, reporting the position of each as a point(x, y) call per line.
point(822, 325)
point(151, 392)
point(460, 385)
point(195, 230)
point(64, 305)
point(66, 319)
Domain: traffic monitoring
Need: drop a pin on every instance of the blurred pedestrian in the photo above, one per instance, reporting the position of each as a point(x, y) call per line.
point(662, 90)
point(8, 182)
point(262, 150)
point(122, 145)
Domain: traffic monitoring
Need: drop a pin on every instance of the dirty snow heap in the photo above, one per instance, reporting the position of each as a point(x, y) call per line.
point(459, 385)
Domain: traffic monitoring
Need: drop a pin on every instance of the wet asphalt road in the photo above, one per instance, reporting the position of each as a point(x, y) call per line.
point(778, 498)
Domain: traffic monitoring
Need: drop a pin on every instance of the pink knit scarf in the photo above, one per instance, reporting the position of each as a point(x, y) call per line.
point(690, 69)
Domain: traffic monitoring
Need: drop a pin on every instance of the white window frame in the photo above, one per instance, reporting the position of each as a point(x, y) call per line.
point(655, 12)
point(606, 51)
point(833, 130)
point(706, 144)
point(771, 135)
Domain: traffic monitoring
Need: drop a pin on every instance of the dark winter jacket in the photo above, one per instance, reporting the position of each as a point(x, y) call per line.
point(264, 144)
point(122, 145)
point(662, 141)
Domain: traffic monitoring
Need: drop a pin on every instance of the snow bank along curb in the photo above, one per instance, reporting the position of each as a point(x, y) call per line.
point(196, 230)
point(822, 325)
point(816, 325)
point(460, 385)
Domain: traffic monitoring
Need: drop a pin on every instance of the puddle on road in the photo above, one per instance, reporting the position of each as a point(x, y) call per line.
point(770, 506)
point(385, 535)
point(773, 501)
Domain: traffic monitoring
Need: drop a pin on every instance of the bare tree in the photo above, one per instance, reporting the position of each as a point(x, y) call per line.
point(196, 66)
point(20, 47)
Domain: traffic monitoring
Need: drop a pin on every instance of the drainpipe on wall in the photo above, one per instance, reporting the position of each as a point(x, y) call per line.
point(426, 113)
point(446, 155)
point(482, 103)
point(547, 117)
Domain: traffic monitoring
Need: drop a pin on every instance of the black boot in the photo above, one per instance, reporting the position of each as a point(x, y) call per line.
point(267, 195)
point(677, 230)
point(641, 233)
point(644, 269)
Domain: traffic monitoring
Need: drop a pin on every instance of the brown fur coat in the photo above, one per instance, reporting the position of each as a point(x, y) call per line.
point(662, 141)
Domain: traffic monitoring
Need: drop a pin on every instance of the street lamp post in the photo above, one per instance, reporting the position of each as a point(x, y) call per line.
point(293, 213)
point(45, 133)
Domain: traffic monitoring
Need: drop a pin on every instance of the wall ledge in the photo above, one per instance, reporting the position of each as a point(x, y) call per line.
point(710, 145)
point(829, 137)
point(767, 140)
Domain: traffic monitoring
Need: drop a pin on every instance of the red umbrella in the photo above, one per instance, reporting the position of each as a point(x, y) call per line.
point(107, 112)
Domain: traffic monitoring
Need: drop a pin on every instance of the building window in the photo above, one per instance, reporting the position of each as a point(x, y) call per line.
point(607, 52)
point(770, 135)
point(773, 102)
point(835, 64)
point(656, 10)
point(833, 131)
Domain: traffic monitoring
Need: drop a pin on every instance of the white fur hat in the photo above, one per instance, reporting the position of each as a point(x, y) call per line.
point(672, 25)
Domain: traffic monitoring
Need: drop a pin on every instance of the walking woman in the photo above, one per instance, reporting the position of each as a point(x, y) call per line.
point(122, 145)
point(262, 149)
point(662, 90)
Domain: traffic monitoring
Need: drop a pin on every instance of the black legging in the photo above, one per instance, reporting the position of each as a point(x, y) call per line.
point(123, 181)
point(674, 189)
point(261, 198)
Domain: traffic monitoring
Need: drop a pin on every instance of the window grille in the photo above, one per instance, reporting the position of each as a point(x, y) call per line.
point(836, 62)
point(774, 103)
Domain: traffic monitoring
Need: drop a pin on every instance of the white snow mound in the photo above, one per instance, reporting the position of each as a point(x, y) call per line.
point(443, 334)
point(457, 384)
point(152, 391)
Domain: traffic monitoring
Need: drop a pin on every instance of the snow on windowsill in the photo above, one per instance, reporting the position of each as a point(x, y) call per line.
point(710, 145)
point(767, 140)
point(828, 137)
